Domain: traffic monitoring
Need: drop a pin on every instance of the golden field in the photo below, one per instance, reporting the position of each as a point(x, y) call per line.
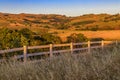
point(105, 34)
point(104, 26)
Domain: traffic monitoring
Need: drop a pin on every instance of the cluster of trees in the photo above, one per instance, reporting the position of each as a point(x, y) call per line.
point(18, 38)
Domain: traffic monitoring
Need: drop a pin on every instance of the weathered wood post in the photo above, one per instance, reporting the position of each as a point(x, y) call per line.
point(25, 48)
point(102, 44)
point(71, 47)
point(51, 50)
point(89, 46)
point(116, 42)
point(15, 58)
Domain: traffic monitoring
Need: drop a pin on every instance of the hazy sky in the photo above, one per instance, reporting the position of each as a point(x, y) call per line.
point(65, 7)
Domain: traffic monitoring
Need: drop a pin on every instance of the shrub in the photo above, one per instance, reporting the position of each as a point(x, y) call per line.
point(76, 38)
point(96, 39)
point(94, 28)
point(84, 22)
point(50, 39)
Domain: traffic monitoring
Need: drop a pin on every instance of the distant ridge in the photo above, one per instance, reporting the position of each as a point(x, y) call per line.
point(56, 21)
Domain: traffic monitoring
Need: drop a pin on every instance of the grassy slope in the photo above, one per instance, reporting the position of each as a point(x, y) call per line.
point(53, 23)
point(96, 66)
point(105, 34)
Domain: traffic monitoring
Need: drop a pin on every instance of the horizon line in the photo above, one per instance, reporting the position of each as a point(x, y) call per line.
point(57, 14)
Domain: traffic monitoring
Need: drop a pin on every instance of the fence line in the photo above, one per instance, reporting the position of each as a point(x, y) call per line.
point(51, 52)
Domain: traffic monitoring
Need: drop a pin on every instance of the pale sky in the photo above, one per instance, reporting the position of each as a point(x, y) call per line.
point(64, 7)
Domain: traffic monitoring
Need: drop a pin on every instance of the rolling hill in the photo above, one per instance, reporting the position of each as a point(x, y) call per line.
point(53, 21)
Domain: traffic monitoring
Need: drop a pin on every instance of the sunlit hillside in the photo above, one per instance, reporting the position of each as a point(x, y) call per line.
point(52, 21)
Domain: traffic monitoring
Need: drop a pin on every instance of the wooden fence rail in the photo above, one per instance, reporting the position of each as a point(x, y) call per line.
point(88, 46)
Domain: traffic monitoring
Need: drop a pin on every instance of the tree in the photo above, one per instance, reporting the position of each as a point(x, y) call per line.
point(14, 38)
point(9, 38)
point(26, 36)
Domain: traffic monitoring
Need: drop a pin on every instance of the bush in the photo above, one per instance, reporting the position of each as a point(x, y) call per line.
point(76, 38)
point(84, 22)
point(94, 28)
point(96, 39)
point(50, 39)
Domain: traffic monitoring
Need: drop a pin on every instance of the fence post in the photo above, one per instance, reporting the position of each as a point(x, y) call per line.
point(116, 42)
point(25, 53)
point(15, 57)
point(71, 47)
point(102, 44)
point(51, 50)
point(89, 46)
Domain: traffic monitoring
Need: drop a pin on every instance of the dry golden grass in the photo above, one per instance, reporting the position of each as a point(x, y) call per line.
point(106, 34)
point(53, 22)
point(85, 22)
point(99, 65)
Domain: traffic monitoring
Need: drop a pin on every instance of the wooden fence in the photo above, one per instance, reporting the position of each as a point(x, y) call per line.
point(71, 48)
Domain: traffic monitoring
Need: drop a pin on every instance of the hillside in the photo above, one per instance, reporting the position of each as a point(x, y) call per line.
point(52, 21)
point(31, 20)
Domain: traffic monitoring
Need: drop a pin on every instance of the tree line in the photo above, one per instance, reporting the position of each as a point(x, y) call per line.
point(18, 38)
